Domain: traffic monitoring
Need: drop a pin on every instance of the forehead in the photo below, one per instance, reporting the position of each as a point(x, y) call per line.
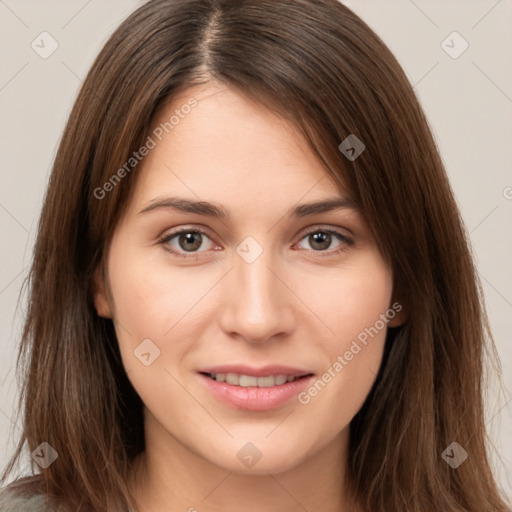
point(213, 143)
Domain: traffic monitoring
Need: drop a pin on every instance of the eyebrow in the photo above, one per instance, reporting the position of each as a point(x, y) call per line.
point(217, 211)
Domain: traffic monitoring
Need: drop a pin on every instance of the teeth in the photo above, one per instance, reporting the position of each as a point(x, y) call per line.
point(232, 378)
point(266, 382)
point(245, 381)
point(280, 379)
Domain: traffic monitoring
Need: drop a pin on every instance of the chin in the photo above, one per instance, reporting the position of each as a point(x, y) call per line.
point(249, 459)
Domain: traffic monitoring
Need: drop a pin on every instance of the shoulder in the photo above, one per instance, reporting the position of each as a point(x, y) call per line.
point(14, 500)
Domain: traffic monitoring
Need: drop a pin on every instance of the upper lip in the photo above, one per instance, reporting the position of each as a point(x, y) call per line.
point(263, 371)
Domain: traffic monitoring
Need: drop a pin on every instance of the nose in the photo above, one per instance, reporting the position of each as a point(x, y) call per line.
point(258, 304)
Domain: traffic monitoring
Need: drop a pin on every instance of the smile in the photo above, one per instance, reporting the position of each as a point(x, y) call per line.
point(255, 389)
point(245, 381)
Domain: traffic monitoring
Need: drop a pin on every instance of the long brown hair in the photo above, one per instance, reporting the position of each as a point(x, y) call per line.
point(323, 68)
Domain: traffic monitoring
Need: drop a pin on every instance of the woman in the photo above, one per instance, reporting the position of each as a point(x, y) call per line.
point(251, 280)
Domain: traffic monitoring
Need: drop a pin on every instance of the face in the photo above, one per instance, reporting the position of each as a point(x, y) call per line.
point(252, 327)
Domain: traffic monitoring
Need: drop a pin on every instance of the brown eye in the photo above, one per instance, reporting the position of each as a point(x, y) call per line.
point(320, 240)
point(186, 241)
point(190, 241)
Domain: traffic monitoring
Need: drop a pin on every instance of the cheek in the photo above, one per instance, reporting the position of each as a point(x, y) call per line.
point(354, 306)
point(350, 299)
point(165, 304)
point(151, 296)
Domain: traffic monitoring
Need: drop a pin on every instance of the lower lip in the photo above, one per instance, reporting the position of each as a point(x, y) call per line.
point(253, 398)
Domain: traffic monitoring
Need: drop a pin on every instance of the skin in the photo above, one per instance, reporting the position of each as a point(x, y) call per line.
point(296, 305)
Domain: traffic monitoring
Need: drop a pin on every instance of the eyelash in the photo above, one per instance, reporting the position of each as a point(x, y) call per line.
point(346, 241)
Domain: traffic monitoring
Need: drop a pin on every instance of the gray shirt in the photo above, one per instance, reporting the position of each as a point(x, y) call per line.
point(12, 502)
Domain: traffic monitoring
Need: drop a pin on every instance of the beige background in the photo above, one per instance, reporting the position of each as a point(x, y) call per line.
point(468, 101)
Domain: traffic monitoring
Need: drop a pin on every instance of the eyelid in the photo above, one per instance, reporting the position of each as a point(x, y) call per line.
point(345, 240)
point(337, 232)
point(345, 233)
point(166, 237)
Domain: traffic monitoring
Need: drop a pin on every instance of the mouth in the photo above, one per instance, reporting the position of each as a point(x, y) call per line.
point(255, 389)
point(246, 381)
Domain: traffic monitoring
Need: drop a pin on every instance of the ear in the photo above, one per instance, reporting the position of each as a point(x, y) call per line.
point(398, 313)
point(99, 294)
